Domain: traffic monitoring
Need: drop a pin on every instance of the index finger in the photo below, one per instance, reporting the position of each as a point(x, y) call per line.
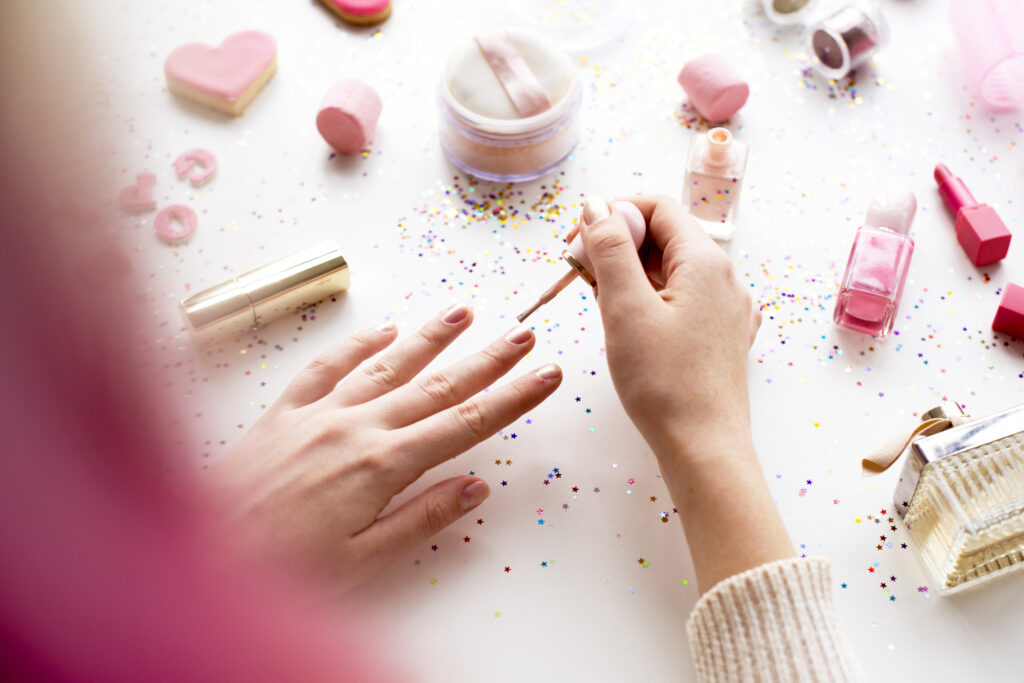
point(666, 219)
point(672, 228)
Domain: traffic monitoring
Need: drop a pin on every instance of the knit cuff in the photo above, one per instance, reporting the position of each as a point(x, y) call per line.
point(776, 622)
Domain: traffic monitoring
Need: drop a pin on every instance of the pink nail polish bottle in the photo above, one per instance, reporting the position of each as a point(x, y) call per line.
point(878, 266)
point(714, 177)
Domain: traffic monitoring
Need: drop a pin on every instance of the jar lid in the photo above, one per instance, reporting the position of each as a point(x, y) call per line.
point(574, 25)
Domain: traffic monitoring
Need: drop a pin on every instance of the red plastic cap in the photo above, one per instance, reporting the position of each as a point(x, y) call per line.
point(1010, 316)
point(982, 234)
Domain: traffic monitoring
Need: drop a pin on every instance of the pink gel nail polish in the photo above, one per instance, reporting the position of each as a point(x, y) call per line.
point(878, 266)
point(980, 231)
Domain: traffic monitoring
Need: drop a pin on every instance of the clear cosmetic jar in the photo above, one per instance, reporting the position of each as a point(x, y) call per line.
point(574, 25)
point(850, 37)
point(786, 12)
point(480, 130)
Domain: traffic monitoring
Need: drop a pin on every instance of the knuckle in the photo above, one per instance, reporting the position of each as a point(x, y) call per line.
point(439, 387)
point(325, 363)
point(325, 432)
point(373, 457)
point(607, 241)
point(472, 417)
point(718, 263)
point(492, 355)
point(360, 339)
point(429, 335)
point(435, 517)
point(382, 372)
point(367, 461)
point(521, 393)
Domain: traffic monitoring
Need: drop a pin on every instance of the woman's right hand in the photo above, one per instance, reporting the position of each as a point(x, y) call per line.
point(677, 352)
point(678, 358)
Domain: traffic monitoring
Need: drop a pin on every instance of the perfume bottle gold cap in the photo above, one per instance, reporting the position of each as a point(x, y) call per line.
point(269, 292)
point(952, 441)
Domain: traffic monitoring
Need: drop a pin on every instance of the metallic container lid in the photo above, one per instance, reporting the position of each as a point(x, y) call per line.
point(950, 442)
point(268, 292)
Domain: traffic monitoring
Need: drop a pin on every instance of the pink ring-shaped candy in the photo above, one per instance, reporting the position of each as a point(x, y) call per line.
point(166, 229)
point(187, 161)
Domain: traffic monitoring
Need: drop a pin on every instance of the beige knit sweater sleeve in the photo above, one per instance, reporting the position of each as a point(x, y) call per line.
point(776, 622)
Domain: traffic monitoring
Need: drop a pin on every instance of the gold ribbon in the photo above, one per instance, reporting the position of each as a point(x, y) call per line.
point(889, 452)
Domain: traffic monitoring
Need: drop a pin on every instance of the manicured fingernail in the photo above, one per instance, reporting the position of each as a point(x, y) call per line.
point(549, 372)
point(385, 327)
point(474, 494)
point(455, 314)
point(594, 209)
point(519, 335)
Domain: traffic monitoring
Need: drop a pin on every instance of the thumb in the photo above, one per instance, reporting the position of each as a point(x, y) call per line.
point(426, 514)
point(611, 254)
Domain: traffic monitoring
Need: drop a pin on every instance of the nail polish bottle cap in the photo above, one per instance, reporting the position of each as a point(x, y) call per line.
point(719, 147)
point(894, 210)
point(575, 255)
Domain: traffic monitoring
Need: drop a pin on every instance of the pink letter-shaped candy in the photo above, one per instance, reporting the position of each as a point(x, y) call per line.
point(186, 218)
point(187, 161)
point(348, 115)
point(139, 197)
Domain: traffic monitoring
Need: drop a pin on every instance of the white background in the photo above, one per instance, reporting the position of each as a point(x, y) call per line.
point(821, 397)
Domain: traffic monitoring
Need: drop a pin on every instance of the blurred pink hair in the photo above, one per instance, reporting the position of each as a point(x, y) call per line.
point(110, 570)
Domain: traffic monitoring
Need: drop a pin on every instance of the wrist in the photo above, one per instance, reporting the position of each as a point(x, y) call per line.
point(706, 442)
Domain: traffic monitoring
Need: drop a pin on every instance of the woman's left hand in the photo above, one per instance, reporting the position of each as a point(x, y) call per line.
point(311, 478)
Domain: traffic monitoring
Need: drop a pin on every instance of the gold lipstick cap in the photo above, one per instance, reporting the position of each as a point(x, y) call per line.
point(260, 296)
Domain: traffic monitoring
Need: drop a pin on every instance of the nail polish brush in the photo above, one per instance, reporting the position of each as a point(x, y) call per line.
point(594, 209)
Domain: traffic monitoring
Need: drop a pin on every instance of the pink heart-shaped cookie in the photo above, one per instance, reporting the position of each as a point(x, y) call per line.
point(225, 77)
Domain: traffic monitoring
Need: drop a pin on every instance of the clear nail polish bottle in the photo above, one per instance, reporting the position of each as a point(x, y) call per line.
point(878, 267)
point(714, 177)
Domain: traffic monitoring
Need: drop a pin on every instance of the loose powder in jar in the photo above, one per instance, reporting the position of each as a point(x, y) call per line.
point(509, 107)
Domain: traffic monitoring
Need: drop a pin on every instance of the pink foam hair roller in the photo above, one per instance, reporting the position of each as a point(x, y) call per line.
point(991, 35)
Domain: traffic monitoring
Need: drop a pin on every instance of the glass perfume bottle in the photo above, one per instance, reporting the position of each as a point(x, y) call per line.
point(961, 494)
point(714, 177)
point(877, 268)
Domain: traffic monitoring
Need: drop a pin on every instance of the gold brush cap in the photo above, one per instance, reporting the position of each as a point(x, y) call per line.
point(260, 296)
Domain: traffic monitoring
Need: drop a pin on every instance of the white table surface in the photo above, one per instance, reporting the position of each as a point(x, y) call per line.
point(821, 397)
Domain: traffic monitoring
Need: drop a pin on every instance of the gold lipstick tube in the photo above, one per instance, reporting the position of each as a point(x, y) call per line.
point(260, 296)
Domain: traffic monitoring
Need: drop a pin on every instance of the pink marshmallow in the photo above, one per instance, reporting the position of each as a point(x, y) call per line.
point(715, 90)
point(348, 115)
